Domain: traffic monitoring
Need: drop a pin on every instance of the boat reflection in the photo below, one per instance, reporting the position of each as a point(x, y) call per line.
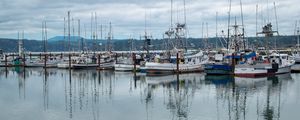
point(93, 93)
point(178, 91)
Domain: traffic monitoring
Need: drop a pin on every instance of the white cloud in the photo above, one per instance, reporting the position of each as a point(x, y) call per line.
point(127, 16)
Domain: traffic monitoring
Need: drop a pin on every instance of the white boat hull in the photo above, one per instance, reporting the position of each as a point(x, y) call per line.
point(84, 66)
point(251, 71)
point(107, 65)
point(295, 68)
point(64, 65)
point(125, 67)
point(163, 68)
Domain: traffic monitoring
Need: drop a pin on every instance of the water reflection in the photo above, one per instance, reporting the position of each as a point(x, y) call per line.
point(178, 92)
point(91, 94)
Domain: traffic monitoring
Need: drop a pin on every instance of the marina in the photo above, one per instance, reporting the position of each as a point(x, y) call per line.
point(149, 60)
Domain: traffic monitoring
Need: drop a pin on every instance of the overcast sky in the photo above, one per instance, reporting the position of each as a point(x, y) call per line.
point(128, 16)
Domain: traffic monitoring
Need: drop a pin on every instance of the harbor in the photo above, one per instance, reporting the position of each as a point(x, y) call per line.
point(149, 60)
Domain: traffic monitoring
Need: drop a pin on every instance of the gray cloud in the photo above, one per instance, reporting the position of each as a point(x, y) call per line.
point(128, 16)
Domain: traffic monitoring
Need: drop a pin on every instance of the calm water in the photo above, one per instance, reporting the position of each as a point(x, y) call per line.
point(36, 94)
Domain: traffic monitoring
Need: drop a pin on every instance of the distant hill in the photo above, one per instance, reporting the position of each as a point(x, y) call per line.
point(64, 38)
point(58, 44)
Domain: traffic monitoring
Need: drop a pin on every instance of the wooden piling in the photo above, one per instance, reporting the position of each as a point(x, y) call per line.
point(134, 61)
point(69, 61)
point(116, 57)
point(24, 60)
point(177, 63)
point(5, 60)
point(99, 64)
point(233, 62)
point(45, 61)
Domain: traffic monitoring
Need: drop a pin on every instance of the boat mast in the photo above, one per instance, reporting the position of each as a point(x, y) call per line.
point(203, 35)
point(243, 27)
point(109, 38)
point(256, 14)
point(44, 35)
point(69, 34)
point(84, 39)
point(46, 38)
point(275, 12)
point(229, 17)
point(20, 40)
point(171, 14)
point(64, 34)
point(185, 26)
point(206, 38)
point(96, 30)
point(73, 32)
point(297, 33)
point(80, 46)
point(216, 30)
point(92, 35)
point(146, 42)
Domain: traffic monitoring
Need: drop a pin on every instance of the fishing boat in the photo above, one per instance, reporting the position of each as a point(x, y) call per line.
point(275, 63)
point(50, 63)
point(188, 63)
point(85, 61)
point(129, 64)
point(107, 61)
point(218, 66)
